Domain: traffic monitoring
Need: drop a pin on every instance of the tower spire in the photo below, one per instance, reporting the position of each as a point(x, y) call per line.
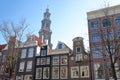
point(45, 32)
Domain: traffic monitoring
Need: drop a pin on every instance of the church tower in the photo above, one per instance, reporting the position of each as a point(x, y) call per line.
point(45, 32)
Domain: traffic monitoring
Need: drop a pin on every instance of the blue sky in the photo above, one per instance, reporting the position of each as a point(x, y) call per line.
point(69, 19)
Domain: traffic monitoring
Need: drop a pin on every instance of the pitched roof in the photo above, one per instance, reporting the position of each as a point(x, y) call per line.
point(38, 39)
point(2, 47)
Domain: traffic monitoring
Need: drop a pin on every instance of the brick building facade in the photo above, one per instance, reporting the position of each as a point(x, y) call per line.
point(101, 23)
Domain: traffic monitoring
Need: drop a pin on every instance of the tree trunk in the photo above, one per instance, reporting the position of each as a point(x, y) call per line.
point(11, 75)
point(113, 68)
point(114, 72)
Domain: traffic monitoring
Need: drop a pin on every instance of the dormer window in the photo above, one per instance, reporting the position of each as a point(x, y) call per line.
point(60, 46)
point(78, 50)
point(43, 52)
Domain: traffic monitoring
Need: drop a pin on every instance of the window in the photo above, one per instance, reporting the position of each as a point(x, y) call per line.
point(95, 37)
point(1, 68)
point(97, 52)
point(21, 67)
point(28, 77)
point(59, 46)
point(23, 54)
point(110, 48)
point(38, 61)
point(117, 21)
point(20, 77)
point(118, 33)
point(31, 52)
point(94, 25)
point(55, 73)
point(4, 58)
point(77, 50)
point(56, 60)
point(38, 73)
point(43, 61)
point(43, 52)
point(106, 22)
point(75, 72)
point(78, 57)
point(110, 70)
point(99, 71)
point(46, 74)
point(29, 66)
point(64, 60)
point(6, 70)
point(108, 35)
point(63, 72)
point(48, 60)
point(84, 71)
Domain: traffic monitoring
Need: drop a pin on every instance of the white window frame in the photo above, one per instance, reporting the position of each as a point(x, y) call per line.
point(20, 77)
point(75, 72)
point(21, 66)
point(27, 77)
point(64, 60)
point(38, 61)
point(80, 57)
point(96, 73)
point(64, 72)
point(23, 53)
point(38, 73)
point(55, 60)
point(48, 60)
point(29, 66)
point(84, 71)
point(30, 52)
point(54, 74)
point(46, 72)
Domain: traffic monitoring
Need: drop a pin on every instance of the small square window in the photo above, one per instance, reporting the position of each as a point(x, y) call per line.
point(77, 49)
